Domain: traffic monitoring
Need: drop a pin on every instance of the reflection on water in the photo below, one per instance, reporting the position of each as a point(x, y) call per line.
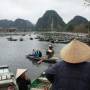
point(13, 54)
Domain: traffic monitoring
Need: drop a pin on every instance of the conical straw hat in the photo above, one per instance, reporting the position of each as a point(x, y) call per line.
point(20, 72)
point(75, 52)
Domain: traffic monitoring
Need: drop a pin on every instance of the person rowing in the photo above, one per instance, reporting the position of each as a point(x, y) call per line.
point(49, 54)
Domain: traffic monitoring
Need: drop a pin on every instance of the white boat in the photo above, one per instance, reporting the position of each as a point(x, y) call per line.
point(7, 79)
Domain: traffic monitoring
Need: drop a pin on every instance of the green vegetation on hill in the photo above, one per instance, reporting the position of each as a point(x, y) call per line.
point(77, 24)
point(50, 19)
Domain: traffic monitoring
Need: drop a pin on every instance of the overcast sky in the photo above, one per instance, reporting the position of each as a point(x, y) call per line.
point(33, 9)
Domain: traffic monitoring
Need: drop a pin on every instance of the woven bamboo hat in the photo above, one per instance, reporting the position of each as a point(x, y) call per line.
point(20, 72)
point(75, 52)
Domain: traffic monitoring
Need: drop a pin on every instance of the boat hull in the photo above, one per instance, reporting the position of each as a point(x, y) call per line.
point(51, 60)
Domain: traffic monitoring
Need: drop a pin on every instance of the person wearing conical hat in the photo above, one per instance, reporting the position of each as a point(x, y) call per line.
point(73, 72)
point(22, 80)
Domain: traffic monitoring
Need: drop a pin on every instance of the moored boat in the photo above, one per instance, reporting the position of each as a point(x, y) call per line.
point(21, 39)
point(31, 38)
point(7, 78)
point(11, 39)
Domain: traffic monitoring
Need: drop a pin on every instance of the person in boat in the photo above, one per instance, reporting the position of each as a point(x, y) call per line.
point(73, 72)
point(50, 52)
point(38, 54)
point(23, 82)
point(33, 52)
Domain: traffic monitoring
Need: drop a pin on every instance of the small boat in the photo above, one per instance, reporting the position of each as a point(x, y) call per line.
point(52, 41)
point(23, 34)
point(50, 60)
point(41, 83)
point(7, 78)
point(36, 38)
point(65, 41)
point(31, 38)
point(21, 39)
point(11, 39)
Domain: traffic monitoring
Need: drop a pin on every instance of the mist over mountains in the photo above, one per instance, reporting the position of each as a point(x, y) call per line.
point(48, 22)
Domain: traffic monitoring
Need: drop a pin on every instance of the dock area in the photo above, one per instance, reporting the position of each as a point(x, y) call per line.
point(63, 37)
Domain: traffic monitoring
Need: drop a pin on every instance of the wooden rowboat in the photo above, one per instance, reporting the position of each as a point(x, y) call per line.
point(50, 60)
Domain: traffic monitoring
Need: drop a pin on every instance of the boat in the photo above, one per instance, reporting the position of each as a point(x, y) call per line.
point(7, 78)
point(41, 83)
point(11, 39)
point(31, 38)
point(50, 60)
point(21, 39)
point(65, 41)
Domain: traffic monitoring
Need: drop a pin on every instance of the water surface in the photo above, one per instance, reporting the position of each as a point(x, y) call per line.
point(13, 54)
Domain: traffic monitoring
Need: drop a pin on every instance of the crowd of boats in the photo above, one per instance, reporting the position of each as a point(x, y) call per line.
point(63, 37)
point(55, 37)
point(15, 39)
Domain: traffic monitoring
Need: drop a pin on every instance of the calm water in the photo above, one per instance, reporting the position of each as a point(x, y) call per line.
point(13, 54)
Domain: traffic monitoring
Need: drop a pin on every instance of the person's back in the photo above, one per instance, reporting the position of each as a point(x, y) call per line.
point(38, 53)
point(23, 84)
point(66, 76)
point(23, 81)
point(73, 73)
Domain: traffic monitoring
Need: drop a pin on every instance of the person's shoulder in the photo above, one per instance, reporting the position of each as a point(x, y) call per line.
point(87, 64)
point(59, 64)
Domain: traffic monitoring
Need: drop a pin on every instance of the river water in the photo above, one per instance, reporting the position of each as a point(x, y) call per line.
point(13, 54)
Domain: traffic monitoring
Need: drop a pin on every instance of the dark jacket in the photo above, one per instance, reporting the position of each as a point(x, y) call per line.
point(38, 54)
point(66, 76)
point(23, 84)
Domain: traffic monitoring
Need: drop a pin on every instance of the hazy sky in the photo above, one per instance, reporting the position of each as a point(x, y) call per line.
point(33, 9)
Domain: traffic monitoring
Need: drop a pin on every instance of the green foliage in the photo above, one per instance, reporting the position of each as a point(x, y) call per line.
point(49, 18)
point(75, 22)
